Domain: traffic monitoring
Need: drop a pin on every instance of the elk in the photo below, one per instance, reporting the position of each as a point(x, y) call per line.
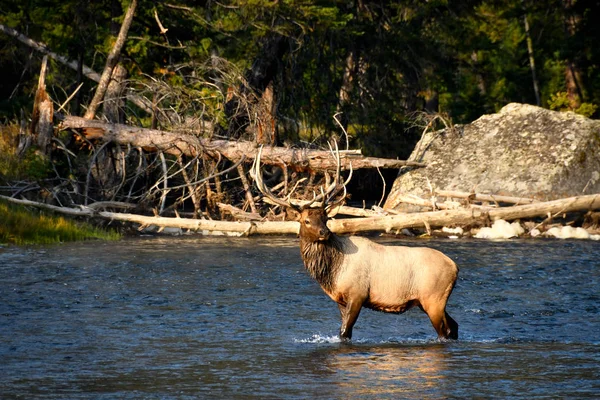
point(356, 272)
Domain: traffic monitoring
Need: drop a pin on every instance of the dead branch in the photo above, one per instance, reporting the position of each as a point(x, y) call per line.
point(339, 210)
point(111, 61)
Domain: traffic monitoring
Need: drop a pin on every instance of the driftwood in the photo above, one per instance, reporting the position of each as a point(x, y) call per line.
point(186, 144)
point(239, 214)
point(425, 203)
point(196, 225)
point(387, 223)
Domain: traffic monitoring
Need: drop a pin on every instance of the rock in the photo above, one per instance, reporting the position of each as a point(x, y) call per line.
point(568, 232)
point(522, 151)
point(500, 230)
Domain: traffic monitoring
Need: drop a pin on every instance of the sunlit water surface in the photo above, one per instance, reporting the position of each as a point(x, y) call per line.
point(196, 317)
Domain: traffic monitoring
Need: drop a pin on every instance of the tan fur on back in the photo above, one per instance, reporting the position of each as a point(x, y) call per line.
point(392, 278)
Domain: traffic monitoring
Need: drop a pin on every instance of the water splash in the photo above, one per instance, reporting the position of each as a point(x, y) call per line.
point(319, 339)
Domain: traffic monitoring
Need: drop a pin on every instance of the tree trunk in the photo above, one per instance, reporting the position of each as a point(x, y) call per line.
point(258, 78)
point(178, 144)
point(113, 105)
point(108, 165)
point(536, 89)
point(42, 127)
point(572, 69)
point(346, 87)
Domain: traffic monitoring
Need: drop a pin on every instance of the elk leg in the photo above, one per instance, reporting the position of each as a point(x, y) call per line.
point(349, 316)
point(451, 323)
point(444, 325)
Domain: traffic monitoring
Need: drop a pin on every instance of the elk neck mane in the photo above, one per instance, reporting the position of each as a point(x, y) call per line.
point(323, 259)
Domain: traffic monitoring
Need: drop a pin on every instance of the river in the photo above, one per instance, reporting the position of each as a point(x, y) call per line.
point(201, 317)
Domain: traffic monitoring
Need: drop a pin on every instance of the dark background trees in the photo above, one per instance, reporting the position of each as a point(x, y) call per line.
point(297, 63)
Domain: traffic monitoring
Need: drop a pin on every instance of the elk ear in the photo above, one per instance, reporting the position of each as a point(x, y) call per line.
point(292, 214)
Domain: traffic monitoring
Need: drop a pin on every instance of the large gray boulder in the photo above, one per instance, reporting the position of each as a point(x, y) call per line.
point(522, 151)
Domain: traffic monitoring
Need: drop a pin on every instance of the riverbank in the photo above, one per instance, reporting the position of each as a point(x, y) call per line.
point(22, 226)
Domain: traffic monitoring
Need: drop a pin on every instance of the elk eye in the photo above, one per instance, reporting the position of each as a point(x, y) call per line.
point(306, 222)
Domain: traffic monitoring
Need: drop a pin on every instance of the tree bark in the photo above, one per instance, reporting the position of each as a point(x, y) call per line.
point(178, 144)
point(111, 61)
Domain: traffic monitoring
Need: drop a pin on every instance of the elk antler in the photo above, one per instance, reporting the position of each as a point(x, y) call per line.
point(260, 184)
point(326, 195)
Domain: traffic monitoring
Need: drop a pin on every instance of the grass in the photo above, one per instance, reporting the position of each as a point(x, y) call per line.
point(22, 226)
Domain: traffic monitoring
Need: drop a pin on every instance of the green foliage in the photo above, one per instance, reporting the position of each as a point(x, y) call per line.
point(560, 102)
point(586, 109)
point(472, 54)
point(23, 226)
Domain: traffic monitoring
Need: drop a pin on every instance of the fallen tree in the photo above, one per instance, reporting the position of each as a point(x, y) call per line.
point(467, 216)
point(194, 146)
point(354, 225)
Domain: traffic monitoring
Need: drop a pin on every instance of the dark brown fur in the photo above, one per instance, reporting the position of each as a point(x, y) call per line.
point(322, 260)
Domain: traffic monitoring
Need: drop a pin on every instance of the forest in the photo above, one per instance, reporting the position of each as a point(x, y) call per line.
point(286, 73)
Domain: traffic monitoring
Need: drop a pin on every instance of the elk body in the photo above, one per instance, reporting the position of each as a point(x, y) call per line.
point(356, 272)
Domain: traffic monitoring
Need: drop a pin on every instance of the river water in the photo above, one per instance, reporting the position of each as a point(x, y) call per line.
point(200, 317)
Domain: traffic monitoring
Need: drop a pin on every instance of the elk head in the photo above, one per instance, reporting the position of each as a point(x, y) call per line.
point(313, 221)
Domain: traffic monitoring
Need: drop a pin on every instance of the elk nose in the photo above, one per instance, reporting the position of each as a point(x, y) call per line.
point(324, 233)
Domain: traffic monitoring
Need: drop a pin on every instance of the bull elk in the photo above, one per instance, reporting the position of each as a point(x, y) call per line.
point(356, 272)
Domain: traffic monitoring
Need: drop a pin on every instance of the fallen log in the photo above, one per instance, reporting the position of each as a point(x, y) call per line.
point(239, 214)
point(197, 225)
point(387, 223)
point(466, 217)
point(418, 201)
point(339, 210)
point(189, 145)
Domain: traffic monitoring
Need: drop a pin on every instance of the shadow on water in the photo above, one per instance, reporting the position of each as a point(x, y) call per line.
point(239, 318)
